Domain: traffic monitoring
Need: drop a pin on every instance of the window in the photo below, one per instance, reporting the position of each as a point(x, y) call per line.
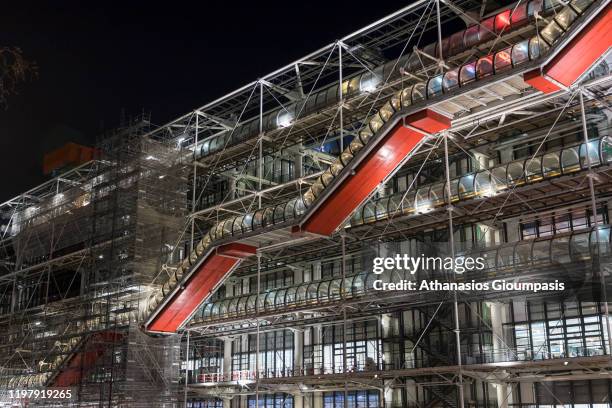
point(355, 399)
point(563, 222)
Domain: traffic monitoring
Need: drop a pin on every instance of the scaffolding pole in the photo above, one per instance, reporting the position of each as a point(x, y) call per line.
point(257, 342)
point(451, 244)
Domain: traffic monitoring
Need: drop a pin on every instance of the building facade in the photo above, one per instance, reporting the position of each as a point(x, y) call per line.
point(229, 258)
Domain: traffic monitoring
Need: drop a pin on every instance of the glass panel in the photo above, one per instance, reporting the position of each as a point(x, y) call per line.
point(324, 291)
point(565, 17)
point(268, 216)
point(505, 256)
point(260, 301)
point(606, 150)
point(358, 284)
point(299, 207)
point(541, 251)
point(515, 172)
point(471, 36)
point(334, 289)
point(406, 97)
point(369, 212)
point(312, 292)
point(370, 278)
point(348, 286)
point(409, 203)
point(593, 148)
point(207, 310)
point(498, 178)
point(534, 6)
point(451, 80)
point(219, 230)
point(466, 186)
point(279, 300)
point(436, 194)
point(233, 306)
point(381, 208)
point(483, 185)
point(560, 249)
point(290, 296)
point(289, 210)
point(551, 165)
point(237, 226)
point(520, 52)
point(484, 66)
point(520, 13)
point(205, 148)
point(376, 123)
point(269, 301)
point(490, 259)
point(395, 205)
point(580, 246)
point(247, 222)
point(502, 21)
point(357, 217)
point(242, 304)
point(580, 5)
point(456, 42)
point(418, 92)
point(533, 169)
point(536, 47)
point(467, 73)
point(434, 86)
point(454, 189)
point(551, 32)
point(300, 295)
point(422, 200)
point(601, 235)
point(215, 310)
point(279, 213)
point(522, 253)
point(258, 219)
point(487, 28)
point(569, 160)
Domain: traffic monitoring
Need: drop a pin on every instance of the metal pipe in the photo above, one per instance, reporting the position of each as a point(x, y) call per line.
point(341, 95)
point(260, 159)
point(441, 56)
point(195, 172)
point(186, 370)
point(257, 345)
point(344, 322)
point(451, 243)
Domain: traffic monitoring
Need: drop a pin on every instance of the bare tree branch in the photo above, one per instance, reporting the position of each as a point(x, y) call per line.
point(15, 69)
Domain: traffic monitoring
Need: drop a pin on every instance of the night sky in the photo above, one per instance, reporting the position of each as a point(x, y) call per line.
point(97, 59)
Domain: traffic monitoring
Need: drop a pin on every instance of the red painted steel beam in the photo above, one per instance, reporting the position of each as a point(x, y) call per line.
point(215, 268)
point(389, 153)
point(577, 56)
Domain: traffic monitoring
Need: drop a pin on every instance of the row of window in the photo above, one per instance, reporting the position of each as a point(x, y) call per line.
point(487, 183)
point(561, 249)
point(563, 222)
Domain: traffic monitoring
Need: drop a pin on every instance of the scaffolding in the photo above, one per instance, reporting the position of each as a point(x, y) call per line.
point(79, 251)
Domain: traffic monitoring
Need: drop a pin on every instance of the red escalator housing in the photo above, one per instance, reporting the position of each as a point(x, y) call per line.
point(389, 153)
point(217, 265)
point(84, 360)
point(577, 56)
